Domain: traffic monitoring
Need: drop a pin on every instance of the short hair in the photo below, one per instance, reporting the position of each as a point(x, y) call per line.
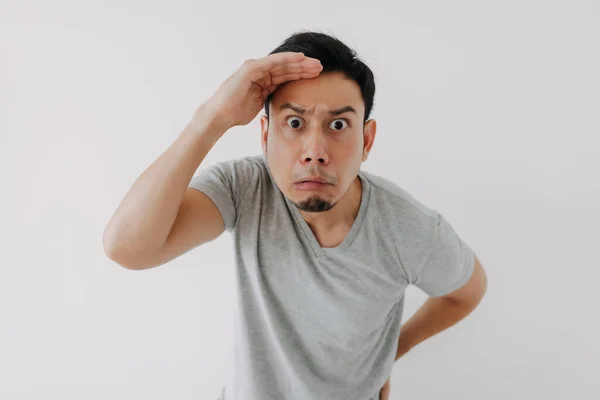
point(335, 56)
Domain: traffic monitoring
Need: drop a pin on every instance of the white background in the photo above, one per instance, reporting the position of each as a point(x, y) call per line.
point(487, 111)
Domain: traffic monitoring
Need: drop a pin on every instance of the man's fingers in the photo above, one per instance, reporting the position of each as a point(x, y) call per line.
point(267, 76)
point(285, 73)
point(273, 60)
point(262, 67)
point(271, 71)
point(278, 80)
point(294, 68)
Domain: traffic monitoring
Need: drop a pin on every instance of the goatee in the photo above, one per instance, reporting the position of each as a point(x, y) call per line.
point(314, 204)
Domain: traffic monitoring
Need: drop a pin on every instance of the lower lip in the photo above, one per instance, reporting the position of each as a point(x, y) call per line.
point(311, 185)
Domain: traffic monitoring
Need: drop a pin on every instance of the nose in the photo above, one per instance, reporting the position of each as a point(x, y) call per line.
point(315, 148)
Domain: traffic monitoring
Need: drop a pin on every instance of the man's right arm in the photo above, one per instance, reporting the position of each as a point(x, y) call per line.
point(160, 217)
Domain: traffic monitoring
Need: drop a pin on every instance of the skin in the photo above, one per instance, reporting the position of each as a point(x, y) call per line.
point(301, 144)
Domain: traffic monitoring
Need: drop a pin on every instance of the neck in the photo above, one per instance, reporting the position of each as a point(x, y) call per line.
point(342, 214)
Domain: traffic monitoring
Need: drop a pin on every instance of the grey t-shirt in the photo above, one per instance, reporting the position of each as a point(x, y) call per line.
point(315, 323)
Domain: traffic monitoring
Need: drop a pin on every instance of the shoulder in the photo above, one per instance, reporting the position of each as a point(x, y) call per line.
point(236, 175)
point(394, 201)
point(249, 164)
point(403, 222)
point(240, 171)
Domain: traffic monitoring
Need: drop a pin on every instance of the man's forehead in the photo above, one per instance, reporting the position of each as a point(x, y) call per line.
point(318, 108)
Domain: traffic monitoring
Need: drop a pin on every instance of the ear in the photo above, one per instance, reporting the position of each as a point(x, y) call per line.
point(264, 128)
point(369, 132)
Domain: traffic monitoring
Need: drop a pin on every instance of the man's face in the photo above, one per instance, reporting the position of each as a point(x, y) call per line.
point(315, 132)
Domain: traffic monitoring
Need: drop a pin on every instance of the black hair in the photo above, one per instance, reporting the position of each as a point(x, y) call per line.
point(335, 56)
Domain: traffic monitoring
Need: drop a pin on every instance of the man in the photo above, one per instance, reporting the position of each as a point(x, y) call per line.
point(324, 250)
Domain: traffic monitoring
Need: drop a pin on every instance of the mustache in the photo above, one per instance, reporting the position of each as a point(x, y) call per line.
point(312, 173)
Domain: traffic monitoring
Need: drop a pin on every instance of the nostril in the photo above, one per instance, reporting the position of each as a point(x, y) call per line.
point(320, 160)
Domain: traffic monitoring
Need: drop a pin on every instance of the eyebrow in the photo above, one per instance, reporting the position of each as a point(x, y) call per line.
point(300, 110)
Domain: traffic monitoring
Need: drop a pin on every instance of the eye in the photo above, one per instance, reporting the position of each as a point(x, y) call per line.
point(294, 122)
point(338, 124)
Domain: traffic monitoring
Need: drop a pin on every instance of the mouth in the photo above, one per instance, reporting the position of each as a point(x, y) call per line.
point(311, 184)
point(312, 179)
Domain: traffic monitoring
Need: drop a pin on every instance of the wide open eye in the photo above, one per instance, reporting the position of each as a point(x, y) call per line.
point(294, 122)
point(338, 124)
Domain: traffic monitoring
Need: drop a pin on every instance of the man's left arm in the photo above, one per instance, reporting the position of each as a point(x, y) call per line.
point(439, 313)
point(450, 263)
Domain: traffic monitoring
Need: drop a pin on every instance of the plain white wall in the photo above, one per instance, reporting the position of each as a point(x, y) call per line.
point(487, 111)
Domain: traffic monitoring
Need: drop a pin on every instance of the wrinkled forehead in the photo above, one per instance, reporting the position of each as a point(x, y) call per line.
point(318, 96)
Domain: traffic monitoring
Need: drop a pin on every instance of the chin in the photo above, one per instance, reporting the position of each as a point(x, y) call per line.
point(314, 204)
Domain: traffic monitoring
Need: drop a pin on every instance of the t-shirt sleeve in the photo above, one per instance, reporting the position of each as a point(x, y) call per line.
point(449, 265)
point(226, 184)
